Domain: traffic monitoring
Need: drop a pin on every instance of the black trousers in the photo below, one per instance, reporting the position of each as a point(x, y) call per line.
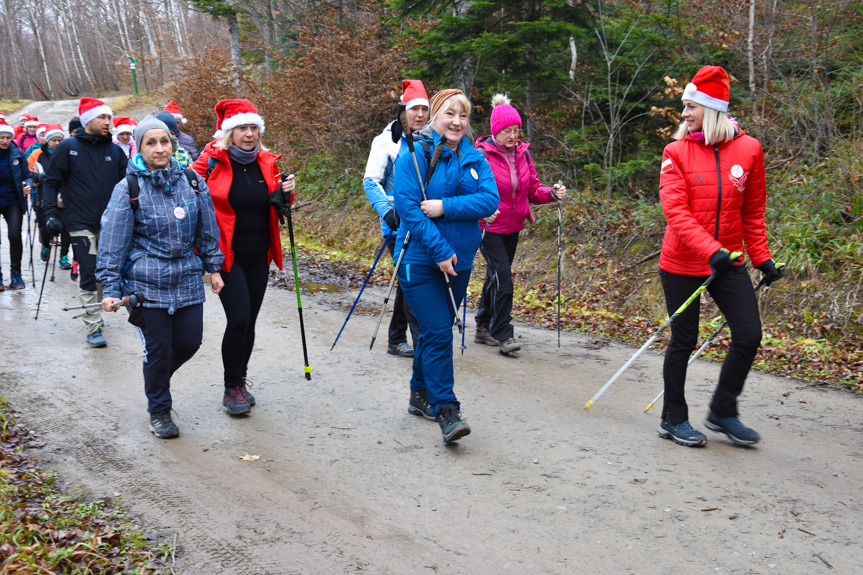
point(495, 303)
point(14, 217)
point(44, 238)
point(241, 298)
point(402, 314)
point(170, 340)
point(735, 296)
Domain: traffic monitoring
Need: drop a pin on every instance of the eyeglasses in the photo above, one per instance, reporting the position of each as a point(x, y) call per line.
point(513, 131)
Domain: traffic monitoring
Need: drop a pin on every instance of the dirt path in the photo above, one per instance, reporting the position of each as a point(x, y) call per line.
point(348, 481)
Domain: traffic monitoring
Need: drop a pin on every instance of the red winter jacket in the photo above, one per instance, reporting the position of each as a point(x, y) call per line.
point(514, 208)
point(713, 197)
point(219, 183)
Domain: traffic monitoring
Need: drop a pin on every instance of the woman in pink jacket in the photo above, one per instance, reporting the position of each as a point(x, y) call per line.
point(517, 186)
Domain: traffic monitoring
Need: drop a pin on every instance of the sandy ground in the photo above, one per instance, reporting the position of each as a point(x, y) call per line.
point(346, 481)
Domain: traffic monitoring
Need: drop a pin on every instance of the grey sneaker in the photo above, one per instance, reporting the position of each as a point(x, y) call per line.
point(682, 433)
point(96, 339)
point(400, 349)
point(419, 404)
point(162, 425)
point(509, 346)
point(731, 426)
point(451, 424)
point(482, 336)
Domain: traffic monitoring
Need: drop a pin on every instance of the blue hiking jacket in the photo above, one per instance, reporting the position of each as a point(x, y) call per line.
point(151, 250)
point(467, 187)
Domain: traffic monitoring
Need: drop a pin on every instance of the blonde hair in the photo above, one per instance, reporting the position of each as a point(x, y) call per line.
point(228, 140)
point(451, 102)
point(717, 127)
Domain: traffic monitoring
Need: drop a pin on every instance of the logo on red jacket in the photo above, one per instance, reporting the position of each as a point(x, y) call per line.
point(667, 166)
point(738, 177)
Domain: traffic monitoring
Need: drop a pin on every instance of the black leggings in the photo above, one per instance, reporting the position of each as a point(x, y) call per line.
point(241, 298)
point(170, 340)
point(735, 296)
point(495, 303)
point(14, 216)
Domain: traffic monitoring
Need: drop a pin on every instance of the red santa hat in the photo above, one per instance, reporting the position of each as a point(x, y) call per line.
point(2, 116)
point(6, 128)
point(53, 131)
point(123, 125)
point(174, 110)
point(40, 129)
point(90, 108)
point(23, 117)
point(31, 121)
point(233, 113)
point(710, 87)
point(414, 94)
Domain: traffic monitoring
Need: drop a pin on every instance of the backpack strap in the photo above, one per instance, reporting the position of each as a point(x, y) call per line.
point(134, 190)
point(430, 161)
point(211, 165)
point(192, 176)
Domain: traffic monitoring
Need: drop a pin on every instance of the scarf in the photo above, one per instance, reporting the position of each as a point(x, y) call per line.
point(242, 156)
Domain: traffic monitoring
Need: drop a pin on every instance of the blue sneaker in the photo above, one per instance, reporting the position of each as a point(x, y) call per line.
point(17, 281)
point(682, 433)
point(731, 426)
point(44, 254)
point(96, 339)
point(65, 264)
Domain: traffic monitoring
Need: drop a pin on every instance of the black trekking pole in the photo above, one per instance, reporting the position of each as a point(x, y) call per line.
point(707, 343)
point(559, 254)
point(285, 211)
point(44, 275)
point(30, 241)
point(667, 323)
point(390, 288)
point(54, 263)
point(371, 271)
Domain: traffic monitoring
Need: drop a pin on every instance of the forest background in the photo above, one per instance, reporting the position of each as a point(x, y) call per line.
point(598, 85)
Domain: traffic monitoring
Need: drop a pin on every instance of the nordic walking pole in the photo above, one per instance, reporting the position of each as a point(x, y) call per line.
point(705, 345)
point(30, 241)
point(131, 300)
point(286, 209)
point(667, 323)
point(390, 288)
point(559, 256)
point(44, 275)
point(371, 271)
point(54, 263)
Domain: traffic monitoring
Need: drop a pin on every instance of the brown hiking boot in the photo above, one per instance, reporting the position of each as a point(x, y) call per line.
point(482, 336)
point(509, 346)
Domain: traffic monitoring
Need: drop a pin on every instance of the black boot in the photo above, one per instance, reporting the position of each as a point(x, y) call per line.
point(451, 424)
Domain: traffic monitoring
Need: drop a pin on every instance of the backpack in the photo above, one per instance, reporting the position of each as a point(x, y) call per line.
point(135, 189)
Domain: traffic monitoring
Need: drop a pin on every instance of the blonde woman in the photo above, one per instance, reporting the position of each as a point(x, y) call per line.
point(713, 193)
point(241, 174)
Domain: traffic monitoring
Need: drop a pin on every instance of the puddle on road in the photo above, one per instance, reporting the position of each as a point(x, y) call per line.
point(315, 287)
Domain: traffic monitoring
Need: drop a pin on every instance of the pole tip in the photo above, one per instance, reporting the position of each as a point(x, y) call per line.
point(648, 408)
point(588, 405)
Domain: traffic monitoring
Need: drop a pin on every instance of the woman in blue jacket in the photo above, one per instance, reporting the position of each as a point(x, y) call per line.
point(15, 182)
point(444, 238)
point(149, 247)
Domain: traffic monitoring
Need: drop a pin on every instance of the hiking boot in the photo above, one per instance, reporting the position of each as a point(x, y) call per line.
point(419, 404)
point(162, 425)
point(17, 281)
point(64, 263)
point(482, 336)
point(250, 399)
point(451, 424)
point(74, 273)
point(235, 402)
point(731, 426)
point(400, 349)
point(96, 339)
point(509, 346)
point(43, 255)
point(682, 433)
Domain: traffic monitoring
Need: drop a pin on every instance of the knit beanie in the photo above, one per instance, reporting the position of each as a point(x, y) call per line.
point(710, 87)
point(168, 119)
point(74, 124)
point(502, 114)
point(147, 124)
point(438, 99)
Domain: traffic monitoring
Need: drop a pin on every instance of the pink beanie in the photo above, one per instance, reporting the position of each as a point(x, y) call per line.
point(502, 114)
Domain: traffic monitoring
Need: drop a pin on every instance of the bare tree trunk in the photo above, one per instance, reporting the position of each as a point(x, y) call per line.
point(236, 52)
point(24, 87)
point(70, 18)
point(750, 55)
point(573, 62)
point(767, 55)
point(466, 69)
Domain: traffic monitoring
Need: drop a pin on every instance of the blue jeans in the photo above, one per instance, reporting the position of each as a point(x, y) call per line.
point(426, 292)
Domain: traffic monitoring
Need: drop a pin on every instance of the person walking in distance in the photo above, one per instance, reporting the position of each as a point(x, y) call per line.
point(123, 130)
point(518, 186)
point(440, 202)
point(713, 192)
point(86, 166)
point(156, 247)
point(378, 183)
point(242, 174)
point(15, 184)
point(186, 141)
point(39, 162)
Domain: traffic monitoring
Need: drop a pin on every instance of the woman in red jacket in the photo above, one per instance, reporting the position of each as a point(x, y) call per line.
point(517, 184)
point(713, 194)
point(241, 174)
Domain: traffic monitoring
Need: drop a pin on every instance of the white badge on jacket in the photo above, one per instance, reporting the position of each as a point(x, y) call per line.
point(179, 213)
point(474, 174)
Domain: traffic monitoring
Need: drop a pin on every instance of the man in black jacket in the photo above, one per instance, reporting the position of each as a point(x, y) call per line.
point(86, 166)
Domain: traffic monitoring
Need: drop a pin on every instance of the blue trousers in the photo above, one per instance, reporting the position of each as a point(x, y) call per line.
point(426, 292)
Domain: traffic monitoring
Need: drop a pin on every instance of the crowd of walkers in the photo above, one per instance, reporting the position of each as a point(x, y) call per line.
point(148, 216)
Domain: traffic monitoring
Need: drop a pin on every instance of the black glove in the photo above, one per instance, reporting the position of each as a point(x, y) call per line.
point(53, 227)
point(42, 177)
point(277, 200)
point(770, 271)
point(721, 262)
point(397, 128)
point(392, 220)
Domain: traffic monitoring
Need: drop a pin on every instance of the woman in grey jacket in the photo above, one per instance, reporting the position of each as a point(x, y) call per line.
point(158, 246)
